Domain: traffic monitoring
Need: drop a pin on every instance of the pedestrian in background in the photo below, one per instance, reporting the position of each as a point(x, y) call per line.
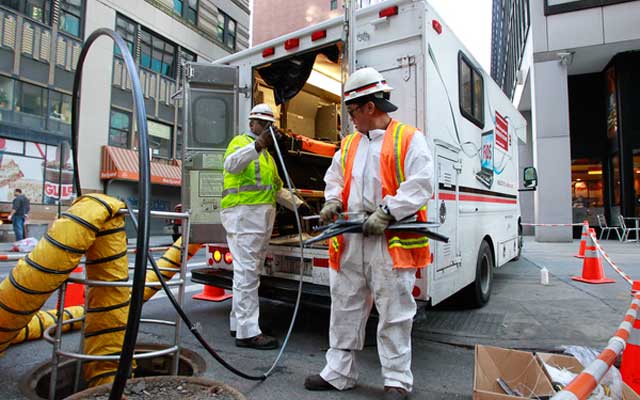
point(19, 213)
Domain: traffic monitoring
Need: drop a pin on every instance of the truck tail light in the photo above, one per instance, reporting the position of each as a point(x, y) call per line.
point(388, 12)
point(269, 51)
point(317, 35)
point(217, 256)
point(291, 43)
point(437, 26)
point(228, 258)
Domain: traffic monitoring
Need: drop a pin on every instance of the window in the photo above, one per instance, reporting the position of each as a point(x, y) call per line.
point(179, 142)
point(32, 100)
point(471, 91)
point(38, 10)
point(127, 29)
point(6, 93)
point(119, 128)
point(333, 4)
point(226, 30)
point(157, 54)
point(71, 16)
point(159, 139)
point(187, 9)
point(60, 107)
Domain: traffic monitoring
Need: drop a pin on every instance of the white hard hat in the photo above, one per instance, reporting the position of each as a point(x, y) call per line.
point(262, 111)
point(369, 82)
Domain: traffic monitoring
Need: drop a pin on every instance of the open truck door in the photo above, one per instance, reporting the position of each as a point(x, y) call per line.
point(210, 122)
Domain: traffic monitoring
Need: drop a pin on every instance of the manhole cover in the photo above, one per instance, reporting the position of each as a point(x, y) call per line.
point(463, 323)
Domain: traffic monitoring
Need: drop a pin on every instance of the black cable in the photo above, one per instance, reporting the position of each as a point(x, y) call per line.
point(144, 194)
point(192, 328)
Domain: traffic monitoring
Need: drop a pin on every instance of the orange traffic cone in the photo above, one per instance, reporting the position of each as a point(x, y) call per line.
point(592, 271)
point(583, 239)
point(212, 293)
point(630, 367)
point(74, 295)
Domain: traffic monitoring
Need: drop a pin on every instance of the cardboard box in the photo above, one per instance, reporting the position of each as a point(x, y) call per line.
point(572, 364)
point(519, 369)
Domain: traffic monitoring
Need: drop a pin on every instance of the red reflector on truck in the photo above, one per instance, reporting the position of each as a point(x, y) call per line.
point(388, 12)
point(317, 35)
point(437, 26)
point(291, 43)
point(320, 262)
point(269, 51)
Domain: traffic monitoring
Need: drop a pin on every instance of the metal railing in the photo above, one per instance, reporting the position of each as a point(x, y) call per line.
point(53, 334)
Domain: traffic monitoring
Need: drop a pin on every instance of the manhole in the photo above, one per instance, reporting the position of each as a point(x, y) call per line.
point(463, 323)
point(35, 385)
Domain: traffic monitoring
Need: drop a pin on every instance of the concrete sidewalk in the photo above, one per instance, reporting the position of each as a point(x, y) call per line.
point(522, 313)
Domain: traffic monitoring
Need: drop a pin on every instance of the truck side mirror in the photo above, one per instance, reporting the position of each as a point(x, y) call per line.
point(530, 177)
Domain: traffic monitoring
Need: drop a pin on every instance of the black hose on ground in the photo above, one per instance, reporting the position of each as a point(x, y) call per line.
point(144, 194)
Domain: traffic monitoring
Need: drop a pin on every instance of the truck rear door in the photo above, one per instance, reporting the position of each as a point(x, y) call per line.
point(210, 122)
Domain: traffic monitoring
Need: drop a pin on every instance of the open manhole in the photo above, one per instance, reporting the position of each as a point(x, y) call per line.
point(35, 385)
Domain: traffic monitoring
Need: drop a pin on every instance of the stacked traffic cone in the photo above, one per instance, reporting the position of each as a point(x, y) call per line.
point(630, 367)
point(74, 295)
point(583, 239)
point(212, 293)
point(592, 271)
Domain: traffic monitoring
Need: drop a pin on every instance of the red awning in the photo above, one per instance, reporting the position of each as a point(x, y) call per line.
point(119, 163)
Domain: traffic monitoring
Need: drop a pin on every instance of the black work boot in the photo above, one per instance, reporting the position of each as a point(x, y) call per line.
point(395, 393)
point(315, 382)
point(260, 342)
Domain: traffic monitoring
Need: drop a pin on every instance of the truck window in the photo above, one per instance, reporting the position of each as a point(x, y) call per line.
point(471, 87)
point(211, 119)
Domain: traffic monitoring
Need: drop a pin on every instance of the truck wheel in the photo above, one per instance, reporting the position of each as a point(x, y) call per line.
point(520, 244)
point(477, 294)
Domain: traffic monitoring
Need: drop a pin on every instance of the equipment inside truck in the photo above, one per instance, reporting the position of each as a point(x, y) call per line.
point(304, 91)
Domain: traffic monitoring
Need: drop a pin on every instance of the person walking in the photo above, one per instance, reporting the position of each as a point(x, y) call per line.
point(384, 171)
point(251, 188)
point(19, 213)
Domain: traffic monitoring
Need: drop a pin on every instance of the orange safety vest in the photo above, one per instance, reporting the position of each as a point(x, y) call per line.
point(407, 250)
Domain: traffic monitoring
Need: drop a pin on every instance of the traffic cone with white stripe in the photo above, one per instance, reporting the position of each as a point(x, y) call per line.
point(592, 270)
point(583, 239)
point(630, 366)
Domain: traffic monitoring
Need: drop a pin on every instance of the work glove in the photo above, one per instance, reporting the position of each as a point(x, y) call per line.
point(264, 140)
point(376, 223)
point(330, 211)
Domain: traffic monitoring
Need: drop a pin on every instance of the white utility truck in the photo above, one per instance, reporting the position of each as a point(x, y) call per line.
point(438, 87)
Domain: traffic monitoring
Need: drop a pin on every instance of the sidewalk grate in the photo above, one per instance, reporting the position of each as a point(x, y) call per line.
point(464, 323)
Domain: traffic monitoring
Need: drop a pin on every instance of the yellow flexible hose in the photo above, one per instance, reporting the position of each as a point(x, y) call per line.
point(108, 306)
point(44, 319)
point(170, 259)
point(33, 279)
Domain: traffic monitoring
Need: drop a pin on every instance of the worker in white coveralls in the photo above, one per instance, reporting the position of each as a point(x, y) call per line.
point(385, 171)
point(251, 188)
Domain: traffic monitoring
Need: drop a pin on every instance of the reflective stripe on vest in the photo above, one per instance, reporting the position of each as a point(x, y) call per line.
point(256, 184)
point(407, 250)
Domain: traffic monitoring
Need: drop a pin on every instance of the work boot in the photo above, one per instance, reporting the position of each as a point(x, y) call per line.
point(315, 382)
point(259, 342)
point(395, 393)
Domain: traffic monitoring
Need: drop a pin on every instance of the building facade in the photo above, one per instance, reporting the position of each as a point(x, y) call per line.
point(40, 42)
point(569, 67)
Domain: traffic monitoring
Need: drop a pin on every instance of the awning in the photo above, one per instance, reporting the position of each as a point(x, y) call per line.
point(119, 163)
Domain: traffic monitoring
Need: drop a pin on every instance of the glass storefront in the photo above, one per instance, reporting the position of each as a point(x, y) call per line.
point(587, 190)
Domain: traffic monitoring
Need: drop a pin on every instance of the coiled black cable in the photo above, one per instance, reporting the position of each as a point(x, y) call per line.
point(144, 194)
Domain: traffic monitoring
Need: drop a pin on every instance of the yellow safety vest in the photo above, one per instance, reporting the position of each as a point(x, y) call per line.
point(258, 183)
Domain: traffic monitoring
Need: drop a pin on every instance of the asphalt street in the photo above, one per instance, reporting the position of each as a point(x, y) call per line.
point(521, 314)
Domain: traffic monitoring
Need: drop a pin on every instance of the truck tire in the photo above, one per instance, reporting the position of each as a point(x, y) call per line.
point(477, 294)
point(520, 244)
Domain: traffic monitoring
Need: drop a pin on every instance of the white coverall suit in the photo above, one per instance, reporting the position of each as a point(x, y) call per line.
point(366, 274)
point(248, 232)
